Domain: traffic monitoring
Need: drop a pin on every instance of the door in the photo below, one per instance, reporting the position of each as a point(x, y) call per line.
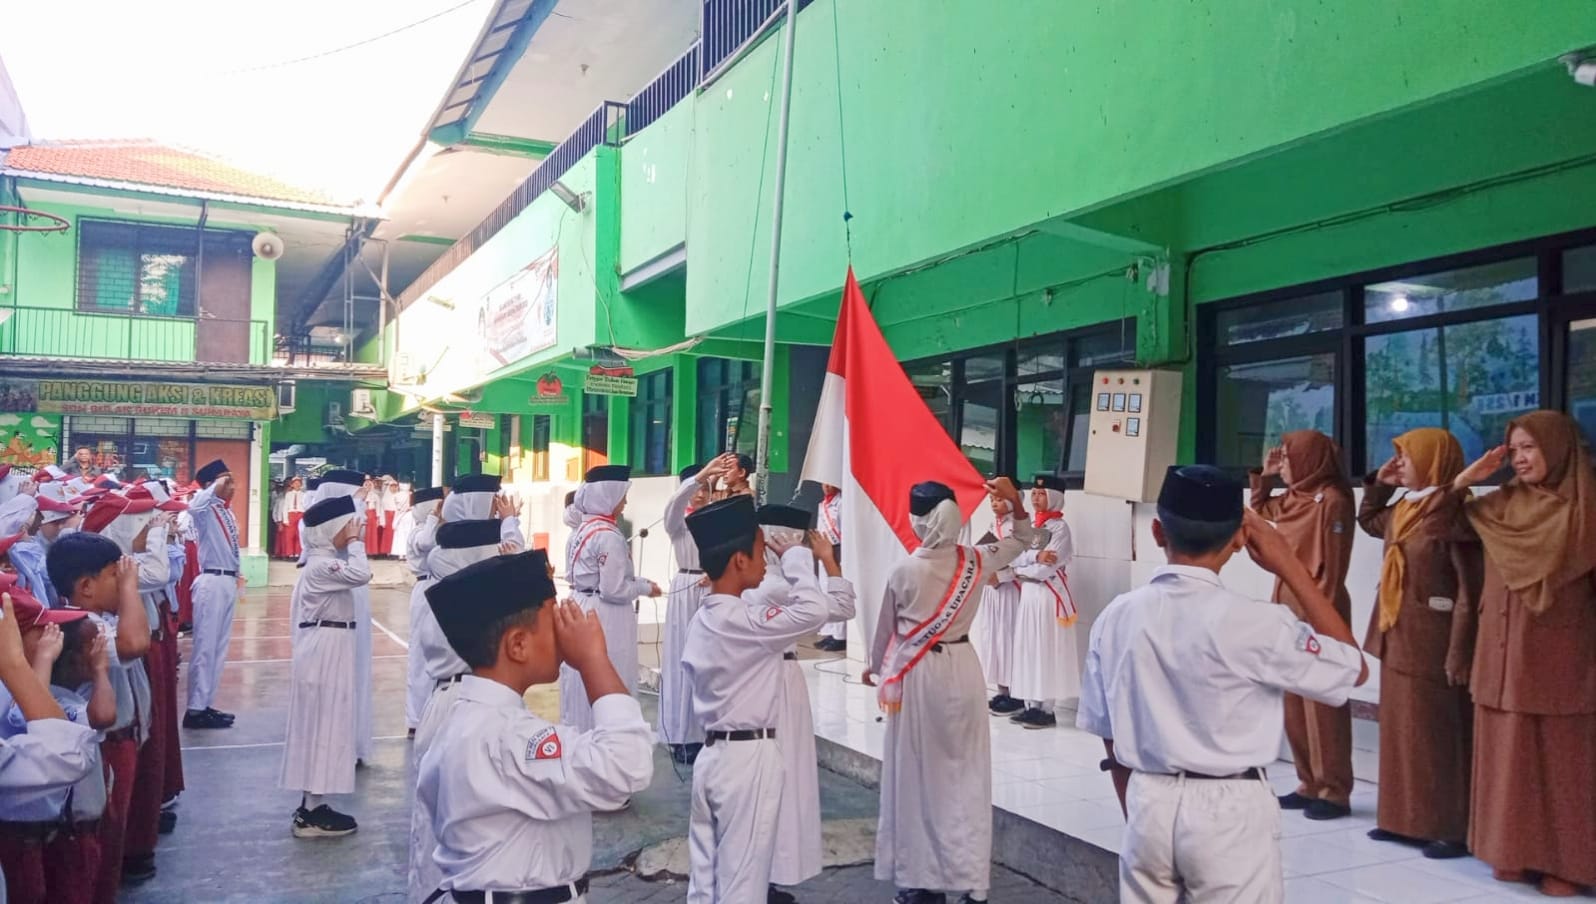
point(222, 333)
point(236, 453)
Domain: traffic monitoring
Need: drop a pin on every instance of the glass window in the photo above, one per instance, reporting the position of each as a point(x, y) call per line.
point(728, 406)
point(595, 430)
point(980, 406)
point(1040, 427)
point(1281, 319)
point(1471, 379)
point(1039, 358)
point(934, 381)
point(1581, 375)
point(541, 429)
point(1502, 282)
point(651, 424)
point(1257, 403)
point(1105, 348)
point(137, 268)
point(1579, 269)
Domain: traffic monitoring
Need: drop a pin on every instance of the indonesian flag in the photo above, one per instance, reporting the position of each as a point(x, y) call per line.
point(874, 438)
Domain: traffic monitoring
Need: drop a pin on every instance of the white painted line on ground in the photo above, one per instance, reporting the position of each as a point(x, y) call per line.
point(391, 636)
point(269, 661)
point(275, 744)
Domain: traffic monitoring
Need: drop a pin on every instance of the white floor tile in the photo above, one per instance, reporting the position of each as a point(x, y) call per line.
point(1099, 787)
point(1313, 891)
point(1401, 883)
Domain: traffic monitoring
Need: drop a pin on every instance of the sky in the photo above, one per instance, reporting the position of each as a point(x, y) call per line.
point(226, 77)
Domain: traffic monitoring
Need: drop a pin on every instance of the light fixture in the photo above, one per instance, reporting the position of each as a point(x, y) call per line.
point(572, 200)
point(1399, 304)
point(1581, 67)
point(441, 302)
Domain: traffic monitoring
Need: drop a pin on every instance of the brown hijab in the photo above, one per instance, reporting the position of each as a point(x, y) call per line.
point(1541, 537)
point(1436, 455)
point(1315, 473)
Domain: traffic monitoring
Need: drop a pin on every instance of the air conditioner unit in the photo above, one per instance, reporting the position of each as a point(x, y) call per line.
point(360, 404)
point(285, 396)
point(335, 415)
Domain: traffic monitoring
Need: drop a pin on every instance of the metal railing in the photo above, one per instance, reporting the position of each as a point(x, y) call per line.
point(729, 24)
point(70, 333)
point(602, 127)
point(676, 82)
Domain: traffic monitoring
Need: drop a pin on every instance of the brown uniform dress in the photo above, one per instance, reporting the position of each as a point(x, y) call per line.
point(1320, 736)
point(1426, 724)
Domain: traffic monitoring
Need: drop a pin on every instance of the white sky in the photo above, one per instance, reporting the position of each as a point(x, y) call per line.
point(180, 71)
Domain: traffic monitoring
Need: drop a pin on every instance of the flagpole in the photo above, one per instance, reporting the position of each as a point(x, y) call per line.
point(767, 375)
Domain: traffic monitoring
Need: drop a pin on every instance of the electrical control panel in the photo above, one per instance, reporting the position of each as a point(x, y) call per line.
point(1134, 426)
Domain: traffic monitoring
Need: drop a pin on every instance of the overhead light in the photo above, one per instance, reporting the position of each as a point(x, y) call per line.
point(1581, 67)
point(1399, 304)
point(441, 302)
point(572, 200)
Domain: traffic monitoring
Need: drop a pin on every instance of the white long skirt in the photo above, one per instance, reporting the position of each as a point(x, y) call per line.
point(935, 829)
point(797, 855)
point(992, 632)
point(424, 874)
point(620, 637)
point(1046, 663)
point(362, 666)
point(677, 724)
point(418, 687)
point(319, 752)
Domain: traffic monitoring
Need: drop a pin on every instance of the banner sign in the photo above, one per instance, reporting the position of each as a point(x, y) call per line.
point(134, 398)
point(478, 421)
point(604, 384)
point(516, 317)
point(550, 392)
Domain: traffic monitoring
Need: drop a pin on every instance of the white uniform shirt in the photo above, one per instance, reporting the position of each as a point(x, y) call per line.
point(439, 658)
point(53, 754)
point(733, 652)
point(603, 563)
point(512, 796)
point(46, 804)
point(121, 682)
point(676, 526)
point(1186, 676)
point(327, 584)
point(423, 537)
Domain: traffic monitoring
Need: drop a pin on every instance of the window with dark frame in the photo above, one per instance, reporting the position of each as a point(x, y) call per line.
point(138, 268)
point(728, 405)
point(541, 428)
point(651, 424)
point(1022, 408)
point(1466, 343)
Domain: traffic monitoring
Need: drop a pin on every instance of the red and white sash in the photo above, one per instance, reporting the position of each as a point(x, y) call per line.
point(1059, 586)
point(905, 652)
point(589, 529)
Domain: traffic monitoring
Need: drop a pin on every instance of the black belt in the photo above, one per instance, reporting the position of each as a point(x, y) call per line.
point(746, 734)
point(423, 577)
point(442, 683)
point(557, 895)
point(324, 623)
point(937, 647)
point(585, 589)
point(698, 571)
point(218, 571)
point(1252, 774)
point(792, 656)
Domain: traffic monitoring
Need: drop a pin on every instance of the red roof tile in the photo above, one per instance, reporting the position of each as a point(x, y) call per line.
point(154, 164)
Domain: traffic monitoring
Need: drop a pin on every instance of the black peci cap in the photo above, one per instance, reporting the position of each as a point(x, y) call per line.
point(426, 494)
point(608, 474)
point(211, 472)
point(689, 472)
point(344, 476)
point(924, 497)
point(477, 483)
point(328, 509)
point(482, 593)
point(1050, 482)
point(729, 522)
point(786, 516)
point(468, 534)
point(1201, 493)
point(313, 484)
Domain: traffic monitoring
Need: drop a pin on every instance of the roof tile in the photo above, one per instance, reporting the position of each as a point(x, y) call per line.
point(151, 163)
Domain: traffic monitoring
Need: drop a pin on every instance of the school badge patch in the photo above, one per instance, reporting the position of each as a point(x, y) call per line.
point(772, 612)
point(545, 745)
point(1307, 641)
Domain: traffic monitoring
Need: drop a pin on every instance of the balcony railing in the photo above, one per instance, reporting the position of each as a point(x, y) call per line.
point(602, 127)
point(675, 83)
point(69, 333)
point(729, 24)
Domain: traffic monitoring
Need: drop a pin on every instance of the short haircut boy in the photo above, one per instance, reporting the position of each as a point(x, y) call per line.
point(77, 556)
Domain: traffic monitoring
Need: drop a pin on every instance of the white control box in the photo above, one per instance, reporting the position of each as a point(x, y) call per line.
point(1134, 427)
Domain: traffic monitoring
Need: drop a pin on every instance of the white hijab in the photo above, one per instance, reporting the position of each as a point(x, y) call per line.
point(601, 498)
point(442, 562)
point(123, 528)
point(319, 538)
point(335, 491)
point(468, 506)
point(1055, 500)
point(572, 517)
point(423, 510)
point(939, 527)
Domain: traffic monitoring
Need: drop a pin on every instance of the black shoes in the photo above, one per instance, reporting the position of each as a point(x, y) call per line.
point(1295, 801)
point(139, 869)
point(1034, 718)
point(1445, 850)
point(777, 896)
point(1321, 810)
point(322, 822)
point(686, 754)
point(831, 645)
point(206, 719)
point(919, 896)
point(168, 822)
point(1004, 705)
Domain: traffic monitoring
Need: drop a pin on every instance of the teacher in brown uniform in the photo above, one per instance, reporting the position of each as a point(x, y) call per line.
point(1422, 631)
point(1316, 513)
point(1533, 807)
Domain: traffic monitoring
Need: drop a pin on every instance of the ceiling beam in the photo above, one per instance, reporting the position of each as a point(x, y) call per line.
point(509, 145)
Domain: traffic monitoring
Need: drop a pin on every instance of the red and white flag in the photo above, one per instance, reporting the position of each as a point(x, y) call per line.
point(874, 438)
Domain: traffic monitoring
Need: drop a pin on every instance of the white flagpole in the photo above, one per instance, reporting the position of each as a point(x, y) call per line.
point(767, 376)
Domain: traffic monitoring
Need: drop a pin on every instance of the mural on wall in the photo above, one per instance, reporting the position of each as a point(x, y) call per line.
point(29, 440)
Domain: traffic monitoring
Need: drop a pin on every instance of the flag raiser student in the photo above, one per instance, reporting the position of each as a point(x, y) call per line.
point(935, 830)
point(1185, 683)
point(424, 509)
point(512, 796)
point(733, 659)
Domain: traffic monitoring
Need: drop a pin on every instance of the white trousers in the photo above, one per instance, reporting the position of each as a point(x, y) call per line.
point(215, 597)
point(418, 687)
point(364, 732)
point(731, 833)
point(424, 874)
point(1200, 840)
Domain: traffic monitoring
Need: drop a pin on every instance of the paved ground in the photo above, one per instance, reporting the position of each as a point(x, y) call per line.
point(233, 844)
